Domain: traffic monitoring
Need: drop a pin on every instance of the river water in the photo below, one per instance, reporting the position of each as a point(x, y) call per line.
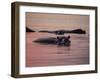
point(38, 55)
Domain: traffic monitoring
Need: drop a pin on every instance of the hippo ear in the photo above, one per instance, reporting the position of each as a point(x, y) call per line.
point(68, 36)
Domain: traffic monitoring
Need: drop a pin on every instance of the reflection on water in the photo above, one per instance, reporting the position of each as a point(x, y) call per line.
point(53, 55)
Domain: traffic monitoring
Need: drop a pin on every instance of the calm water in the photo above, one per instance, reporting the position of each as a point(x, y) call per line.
point(52, 55)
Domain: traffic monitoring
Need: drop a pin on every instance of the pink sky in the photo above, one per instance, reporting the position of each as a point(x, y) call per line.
point(50, 21)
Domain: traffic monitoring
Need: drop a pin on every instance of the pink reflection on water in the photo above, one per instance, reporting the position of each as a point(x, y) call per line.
point(52, 55)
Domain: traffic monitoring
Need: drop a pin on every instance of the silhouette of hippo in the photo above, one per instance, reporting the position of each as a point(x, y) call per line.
point(60, 41)
point(63, 41)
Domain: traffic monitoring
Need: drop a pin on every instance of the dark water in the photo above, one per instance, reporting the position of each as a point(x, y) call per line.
point(53, 55)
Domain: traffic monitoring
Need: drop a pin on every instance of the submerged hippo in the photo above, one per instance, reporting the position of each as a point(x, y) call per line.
point(61, 41)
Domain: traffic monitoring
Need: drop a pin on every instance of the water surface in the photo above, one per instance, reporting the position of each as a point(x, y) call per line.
point(38, 55)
